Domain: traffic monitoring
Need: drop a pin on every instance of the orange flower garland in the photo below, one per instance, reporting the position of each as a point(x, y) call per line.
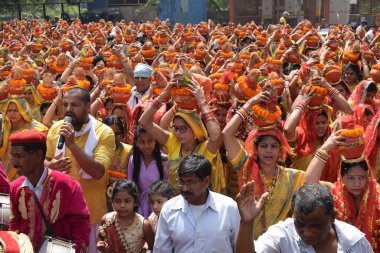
point(221, 86)
point(274, 61)
point(265, 115)
point(105, 83)
point(57, 68)
point(318, 89)
point(351, 56)
point(148, 53)
point(258, 65)
point(352, 133)
point(120, 93)
point(180, 91)
point(17, 82)
point(47, 93)
point(117, 174)
point(215, 76)
point(16, 87)
point(248, 92)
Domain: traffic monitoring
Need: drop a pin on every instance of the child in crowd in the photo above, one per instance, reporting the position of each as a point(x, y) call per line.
point(124, 230)
point(159, 192)
point(145, 166)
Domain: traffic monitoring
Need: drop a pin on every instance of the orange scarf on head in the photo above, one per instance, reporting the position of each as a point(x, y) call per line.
point(368, 218)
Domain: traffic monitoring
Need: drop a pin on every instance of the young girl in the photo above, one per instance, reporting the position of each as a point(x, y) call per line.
point(124, 230)
point(159, 192)
point(118, 169)
point(146, 166)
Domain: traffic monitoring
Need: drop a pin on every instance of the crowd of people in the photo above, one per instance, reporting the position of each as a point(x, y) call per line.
point(129, 137)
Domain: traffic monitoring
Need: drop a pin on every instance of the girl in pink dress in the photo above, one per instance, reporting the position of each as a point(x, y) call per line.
point(159, 192)
point(124, 230)
point(145, 166)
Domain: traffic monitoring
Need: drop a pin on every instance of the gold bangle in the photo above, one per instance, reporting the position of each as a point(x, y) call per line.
point(322, 154)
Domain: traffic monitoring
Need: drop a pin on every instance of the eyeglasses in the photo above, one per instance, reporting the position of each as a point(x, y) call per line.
point(189, 183)
point(180, 129)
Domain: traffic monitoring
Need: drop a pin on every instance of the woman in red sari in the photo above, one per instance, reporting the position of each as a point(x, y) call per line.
point(307, 128)
point(356, 192)
point(372, 140)
point(365, 93)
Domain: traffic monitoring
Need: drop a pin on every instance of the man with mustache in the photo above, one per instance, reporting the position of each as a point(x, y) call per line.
point(87, 153)
point(313, 227)
point(198, 220)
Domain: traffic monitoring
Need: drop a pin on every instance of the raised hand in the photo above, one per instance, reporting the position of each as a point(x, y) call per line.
point(249, 208)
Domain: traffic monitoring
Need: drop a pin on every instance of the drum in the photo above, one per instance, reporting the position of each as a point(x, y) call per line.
point(4, 211)
point(56, 245)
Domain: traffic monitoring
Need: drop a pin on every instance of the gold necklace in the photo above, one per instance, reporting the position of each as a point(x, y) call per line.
point(272, 185)
point(119, 230)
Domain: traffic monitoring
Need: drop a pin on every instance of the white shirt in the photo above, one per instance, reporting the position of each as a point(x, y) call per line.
point(282, 237)
point(39, 187)
point(215, 231)
point(135, 98)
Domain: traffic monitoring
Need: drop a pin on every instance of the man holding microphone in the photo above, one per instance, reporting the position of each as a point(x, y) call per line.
point(86, 153)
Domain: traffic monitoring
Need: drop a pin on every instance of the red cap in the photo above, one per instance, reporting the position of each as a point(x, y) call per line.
point(28, 137)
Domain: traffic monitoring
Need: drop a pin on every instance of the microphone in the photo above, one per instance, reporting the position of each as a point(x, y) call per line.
point(61, 140)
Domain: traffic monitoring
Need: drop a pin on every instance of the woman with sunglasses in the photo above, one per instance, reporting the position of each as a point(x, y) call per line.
point(188, 135)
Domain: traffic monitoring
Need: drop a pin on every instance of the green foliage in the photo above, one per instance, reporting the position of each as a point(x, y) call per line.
point(147, 6)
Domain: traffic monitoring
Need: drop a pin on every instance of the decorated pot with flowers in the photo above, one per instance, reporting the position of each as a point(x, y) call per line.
point(277, 82)
point(246, 86)
point(267, 114)
point(16, 85)
point(72, 83)
point(273, 65)
point(120, 93)
point(47, 89)
point(28, 75)
point(355, 143)
point(332, 72)
point(36, 47)
point(319, 96)
point(312, 41)
point(86, 59)
point(65, 45)
point(352, 55)
point(182, 97)
point(148, 51)
point(375, 73)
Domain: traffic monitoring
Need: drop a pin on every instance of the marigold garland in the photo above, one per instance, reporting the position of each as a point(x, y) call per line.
point(274, 61)
point(221, 86)
point(216, 76)
point(57, 68)
point(47, 93)
point(226, 55)
point(318, 89)
point(28, 71)
point(17, 82)
point(105, 83)
point(248, 92)
point(117, 174)
point(266, 115)
point(353, 57)
point(258, 65)
point(352, 133)
point(148, 52)
point(180, 91)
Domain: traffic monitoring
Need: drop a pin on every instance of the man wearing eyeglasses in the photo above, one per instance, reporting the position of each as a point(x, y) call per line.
point(142, 75)
point(198, 220)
